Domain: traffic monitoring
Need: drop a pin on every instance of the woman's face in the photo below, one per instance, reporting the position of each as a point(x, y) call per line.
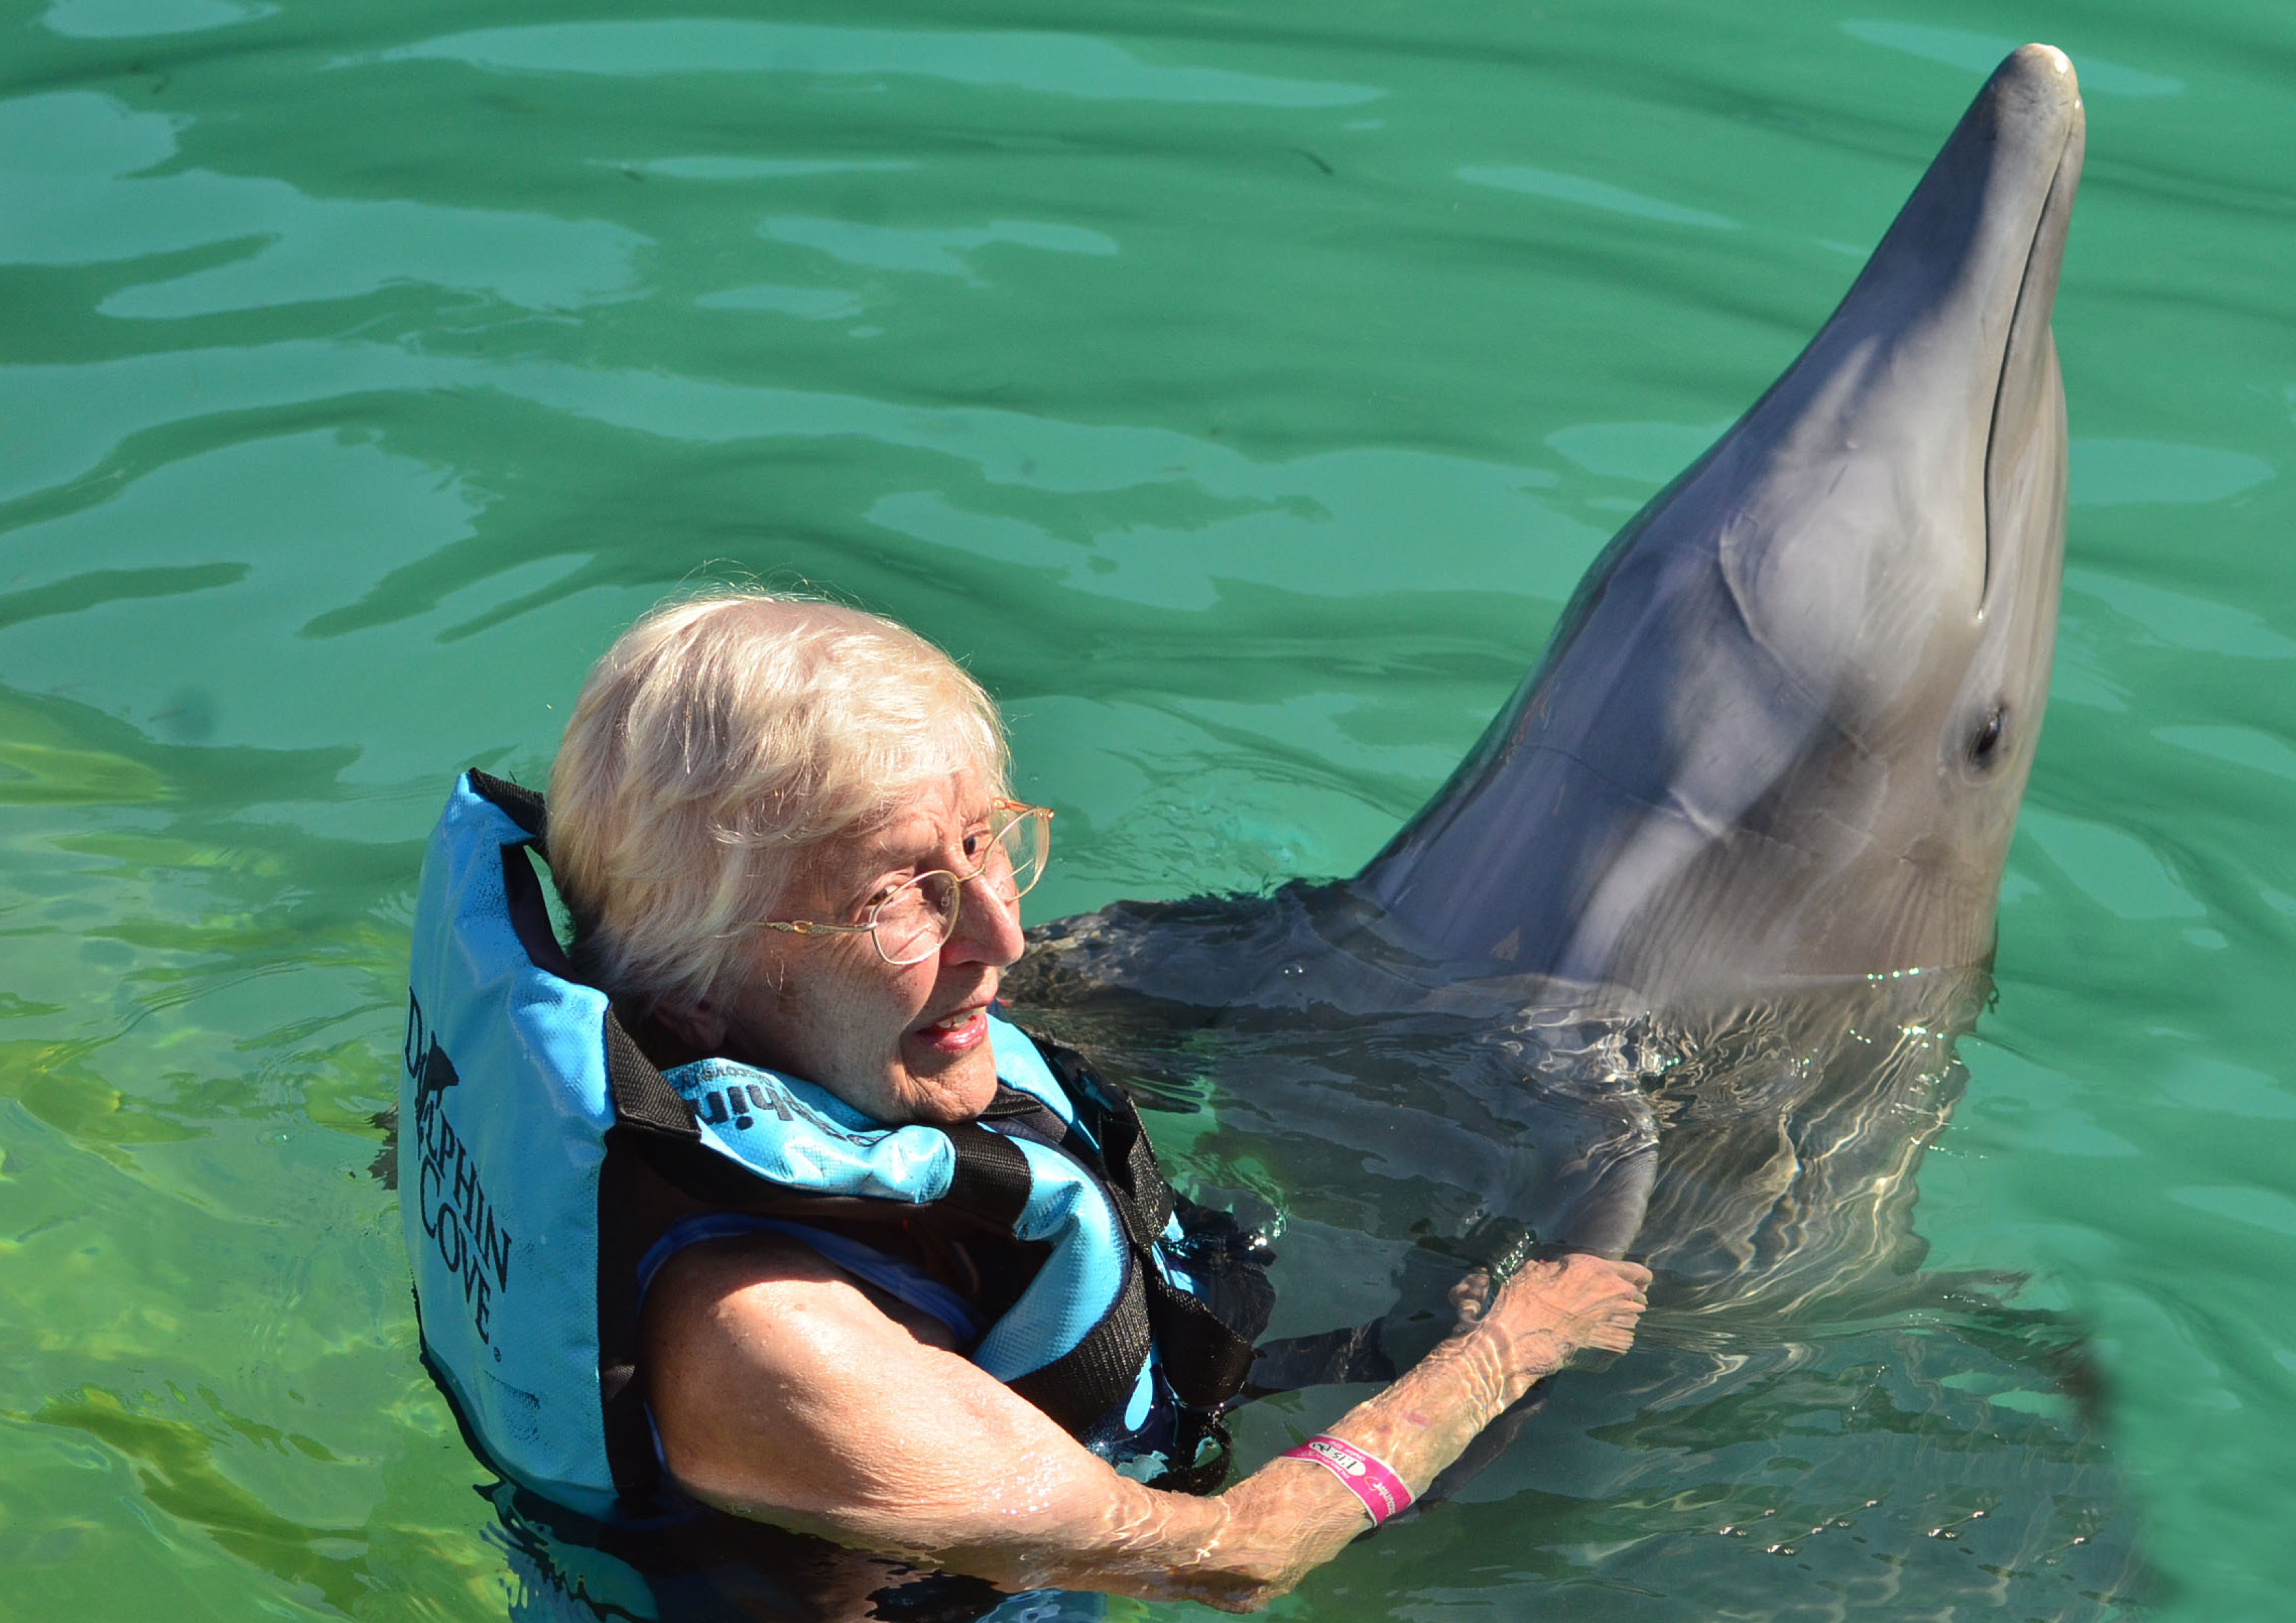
point(900, 1043)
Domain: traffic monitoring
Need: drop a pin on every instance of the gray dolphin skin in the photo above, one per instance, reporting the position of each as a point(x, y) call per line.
point(1784, 727)
point(1778, 743)
point(1674, 965)
point(1765, 773)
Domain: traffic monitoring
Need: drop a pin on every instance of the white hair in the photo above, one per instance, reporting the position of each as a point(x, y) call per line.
point(716, 742)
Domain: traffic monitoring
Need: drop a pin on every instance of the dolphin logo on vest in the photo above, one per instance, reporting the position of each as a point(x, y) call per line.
point(457, 1216)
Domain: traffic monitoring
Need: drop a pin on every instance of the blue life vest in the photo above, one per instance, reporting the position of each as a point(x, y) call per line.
point(529, 1119)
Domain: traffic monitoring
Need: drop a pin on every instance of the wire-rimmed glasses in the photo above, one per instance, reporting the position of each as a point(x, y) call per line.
point(913, 920)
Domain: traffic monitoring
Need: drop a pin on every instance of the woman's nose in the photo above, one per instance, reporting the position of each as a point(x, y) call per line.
point(987, 928)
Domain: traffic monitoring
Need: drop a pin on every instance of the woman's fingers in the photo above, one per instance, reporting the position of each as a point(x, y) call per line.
point(1580, 1300)
point(1470, 1296)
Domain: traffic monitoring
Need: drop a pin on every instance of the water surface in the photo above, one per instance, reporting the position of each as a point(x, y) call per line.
point(1239, 391)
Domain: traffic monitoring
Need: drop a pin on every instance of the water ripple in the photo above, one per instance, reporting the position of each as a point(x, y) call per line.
point(1593, 194)
point(284, 246)
point(1050, 65)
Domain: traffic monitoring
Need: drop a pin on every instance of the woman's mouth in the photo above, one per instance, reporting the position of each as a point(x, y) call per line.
point(967, 1029)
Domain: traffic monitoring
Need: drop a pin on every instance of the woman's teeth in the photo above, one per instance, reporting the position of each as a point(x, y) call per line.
point(957, 1021)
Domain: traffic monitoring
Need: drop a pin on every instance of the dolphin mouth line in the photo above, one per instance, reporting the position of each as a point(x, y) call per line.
point(2018, 314)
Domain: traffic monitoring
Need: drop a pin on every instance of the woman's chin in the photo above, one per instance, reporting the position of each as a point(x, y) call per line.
point(945, 1087)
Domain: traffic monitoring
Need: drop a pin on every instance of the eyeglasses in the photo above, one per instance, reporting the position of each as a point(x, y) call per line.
point(913, 920)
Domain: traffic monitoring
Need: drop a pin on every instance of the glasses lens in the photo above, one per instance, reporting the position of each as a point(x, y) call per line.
point(1020, 841)
point(913, 922)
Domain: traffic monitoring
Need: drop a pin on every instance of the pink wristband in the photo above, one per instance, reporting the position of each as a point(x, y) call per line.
point(1382, 1491)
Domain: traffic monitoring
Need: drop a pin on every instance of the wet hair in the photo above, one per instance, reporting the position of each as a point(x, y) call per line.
point(715, 743)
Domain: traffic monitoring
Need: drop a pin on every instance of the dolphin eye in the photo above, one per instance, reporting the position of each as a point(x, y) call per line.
point(1986, 741)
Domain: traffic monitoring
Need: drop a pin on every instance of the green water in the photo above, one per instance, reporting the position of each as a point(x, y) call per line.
point(1239, 390)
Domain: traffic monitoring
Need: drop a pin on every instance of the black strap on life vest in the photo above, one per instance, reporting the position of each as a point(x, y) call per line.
point(1206, 1359)
point(647, 1111)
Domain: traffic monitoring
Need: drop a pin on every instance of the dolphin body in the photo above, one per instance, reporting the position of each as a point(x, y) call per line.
point(1675, 962)
point(1774, 750)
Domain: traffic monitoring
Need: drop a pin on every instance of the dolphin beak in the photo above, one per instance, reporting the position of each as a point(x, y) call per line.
point(1963, 284)
point(1905, 459)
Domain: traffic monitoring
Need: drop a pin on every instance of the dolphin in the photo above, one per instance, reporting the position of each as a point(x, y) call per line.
point(1674, 963)
point(1777, 745)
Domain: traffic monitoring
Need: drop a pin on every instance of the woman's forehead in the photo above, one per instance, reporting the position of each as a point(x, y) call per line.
point(938, 813)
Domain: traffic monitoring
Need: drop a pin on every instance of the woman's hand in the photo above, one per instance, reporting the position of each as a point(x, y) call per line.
point(1504, 1344)
point(1550, 1310)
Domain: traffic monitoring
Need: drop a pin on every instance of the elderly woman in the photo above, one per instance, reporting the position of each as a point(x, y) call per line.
point(757, 1203)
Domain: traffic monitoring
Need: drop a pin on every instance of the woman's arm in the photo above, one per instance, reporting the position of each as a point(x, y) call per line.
point(784, 1392)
